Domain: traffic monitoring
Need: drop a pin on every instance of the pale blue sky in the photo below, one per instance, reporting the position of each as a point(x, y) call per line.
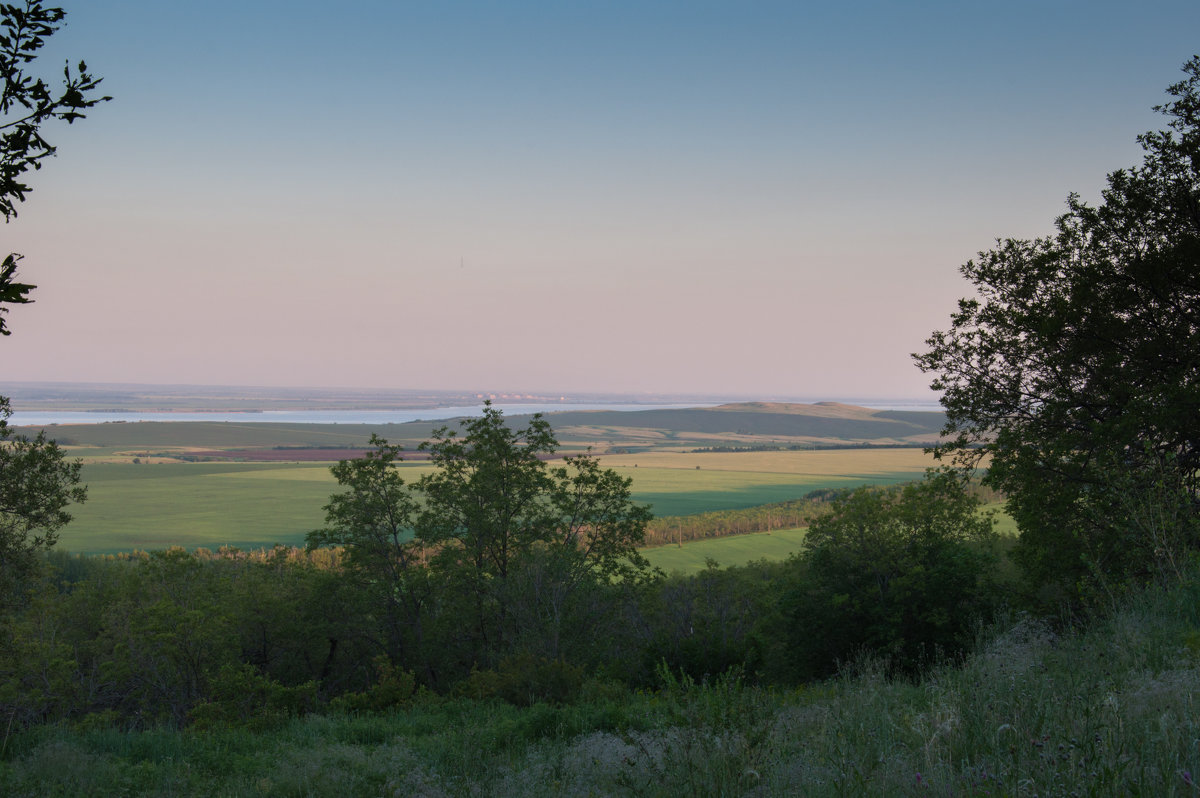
point(757, 198)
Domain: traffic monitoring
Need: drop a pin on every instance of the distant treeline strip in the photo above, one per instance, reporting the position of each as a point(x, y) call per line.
point(722, 523)
point(678, 529)
point(809, 447)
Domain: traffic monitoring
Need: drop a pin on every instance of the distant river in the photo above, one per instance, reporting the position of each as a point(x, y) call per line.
point(43, 418)
point(38, 418)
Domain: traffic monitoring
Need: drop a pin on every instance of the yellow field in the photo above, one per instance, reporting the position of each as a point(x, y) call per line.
point(820, 462)
point(315, 472)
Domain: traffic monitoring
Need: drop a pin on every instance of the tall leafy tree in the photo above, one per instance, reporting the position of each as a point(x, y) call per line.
point(1074, 372)
point(373, 523)
point(518, 538)
point(495, 553)
point(36, 483)
point(27, 103)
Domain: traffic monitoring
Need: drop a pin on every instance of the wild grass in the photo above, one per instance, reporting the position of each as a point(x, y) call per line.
point(1108, 710)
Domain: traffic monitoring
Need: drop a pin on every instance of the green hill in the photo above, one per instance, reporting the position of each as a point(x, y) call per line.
point(742, 424)
point(824, 421)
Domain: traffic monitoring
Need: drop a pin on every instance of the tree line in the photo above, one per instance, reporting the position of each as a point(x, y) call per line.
point(233, 637)
point(680, 529)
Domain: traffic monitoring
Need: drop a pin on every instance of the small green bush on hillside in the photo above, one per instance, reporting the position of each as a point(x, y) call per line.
point(904, 575)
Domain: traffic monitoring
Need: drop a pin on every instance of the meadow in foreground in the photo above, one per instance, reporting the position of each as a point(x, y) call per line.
point(1107, 709)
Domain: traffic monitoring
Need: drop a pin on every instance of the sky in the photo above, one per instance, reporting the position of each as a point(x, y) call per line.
point(760, 199)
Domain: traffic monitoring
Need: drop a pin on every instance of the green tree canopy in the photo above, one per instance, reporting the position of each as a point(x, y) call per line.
point(900, 573)
point(27, 103)
point(521, 538)
point(36, 483)
point(372, 521)
point(1074, 372)
point(492, 553)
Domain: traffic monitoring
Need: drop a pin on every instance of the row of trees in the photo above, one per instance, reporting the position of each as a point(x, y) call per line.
point(255, 637)
point(678, 529)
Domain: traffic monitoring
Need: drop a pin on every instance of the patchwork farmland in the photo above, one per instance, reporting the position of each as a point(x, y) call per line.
point(210, 484)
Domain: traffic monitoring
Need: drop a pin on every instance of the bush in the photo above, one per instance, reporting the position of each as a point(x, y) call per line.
point(241, 696)
point(524, 680)
point(393, 688)
point(903, 574)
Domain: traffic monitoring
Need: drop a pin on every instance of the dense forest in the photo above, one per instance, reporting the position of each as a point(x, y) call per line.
point(182, 637)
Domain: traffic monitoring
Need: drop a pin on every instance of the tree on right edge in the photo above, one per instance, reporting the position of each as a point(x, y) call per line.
point(1074, 374)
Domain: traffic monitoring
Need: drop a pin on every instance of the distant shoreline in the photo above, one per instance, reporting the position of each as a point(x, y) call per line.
point(46, 418)
point(45, 404)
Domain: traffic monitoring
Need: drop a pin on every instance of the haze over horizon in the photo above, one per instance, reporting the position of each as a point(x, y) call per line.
point(717, 198)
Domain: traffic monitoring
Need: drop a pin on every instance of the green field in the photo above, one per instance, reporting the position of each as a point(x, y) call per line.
point(735, 550)
point(676, 492)
point(202, 504)
point(250, 505)
point(1005, 525)
point(817, 462)
point(686, 483)
point(776, 545)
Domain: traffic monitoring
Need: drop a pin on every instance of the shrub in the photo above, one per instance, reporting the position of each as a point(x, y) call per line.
point(242, 696)
point(524, 680)
point(393, 688)
point(903, 574)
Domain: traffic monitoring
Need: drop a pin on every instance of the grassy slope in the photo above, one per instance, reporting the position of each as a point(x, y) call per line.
point(1108, 711)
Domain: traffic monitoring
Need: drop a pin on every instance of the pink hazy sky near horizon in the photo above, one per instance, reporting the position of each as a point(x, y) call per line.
point(764, 199)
